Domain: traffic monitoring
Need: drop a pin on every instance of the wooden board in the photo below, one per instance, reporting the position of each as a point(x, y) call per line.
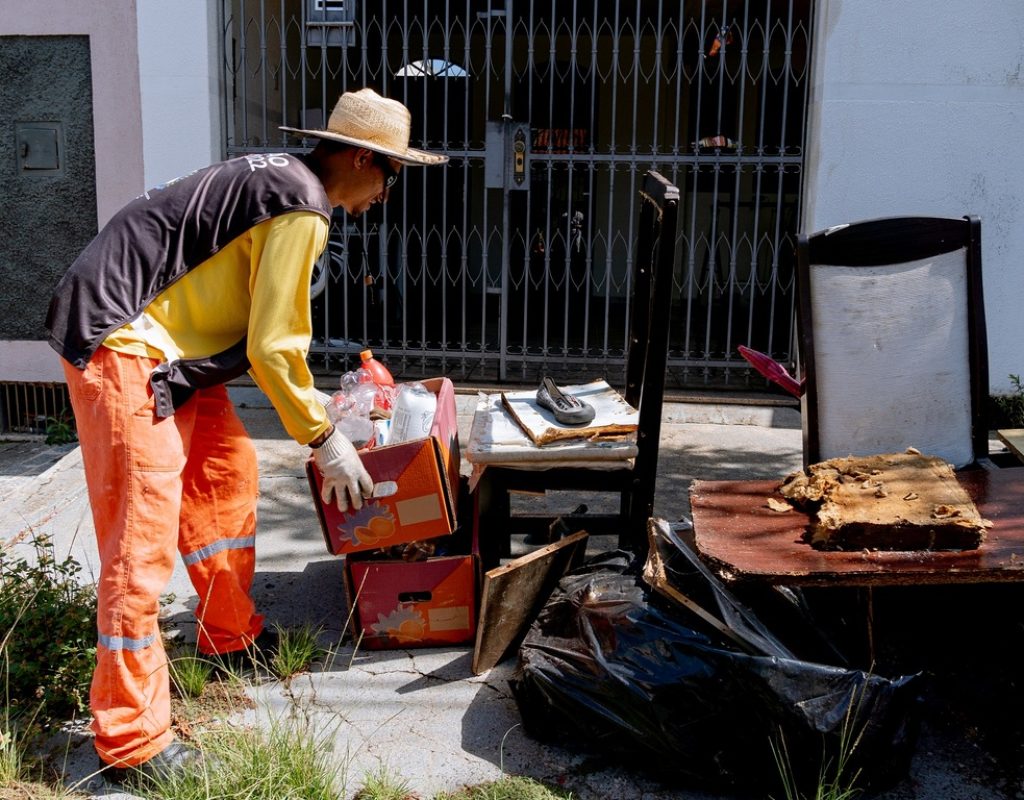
point(514, 593)
point(736, 531)
point(1013, 438)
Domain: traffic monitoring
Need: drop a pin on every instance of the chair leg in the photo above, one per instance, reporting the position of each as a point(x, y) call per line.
point(625, 504)
point(492, 517)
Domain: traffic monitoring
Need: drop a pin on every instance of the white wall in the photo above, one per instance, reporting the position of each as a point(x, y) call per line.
point(179, 73)
point(917, 107)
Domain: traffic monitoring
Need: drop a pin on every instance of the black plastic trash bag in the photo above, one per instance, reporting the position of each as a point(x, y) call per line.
point(603, 668)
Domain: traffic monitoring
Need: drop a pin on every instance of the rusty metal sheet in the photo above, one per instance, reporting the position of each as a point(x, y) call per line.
point(742, 537)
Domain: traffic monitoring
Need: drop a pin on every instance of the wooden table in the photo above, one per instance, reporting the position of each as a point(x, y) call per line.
point(738, 534)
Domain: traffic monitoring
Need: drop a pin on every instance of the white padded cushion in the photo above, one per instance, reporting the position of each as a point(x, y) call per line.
point(891, 356)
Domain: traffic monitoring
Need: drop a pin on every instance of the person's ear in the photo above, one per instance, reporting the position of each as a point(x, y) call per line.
point(363, 158)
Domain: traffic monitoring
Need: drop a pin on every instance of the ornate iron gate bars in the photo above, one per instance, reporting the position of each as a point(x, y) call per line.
point(514, 259)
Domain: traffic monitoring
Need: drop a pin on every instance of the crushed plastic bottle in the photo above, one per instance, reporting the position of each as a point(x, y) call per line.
point(358, 430)
point(349, 409)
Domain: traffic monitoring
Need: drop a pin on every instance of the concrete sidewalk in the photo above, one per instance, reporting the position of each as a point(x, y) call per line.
point(420, 713)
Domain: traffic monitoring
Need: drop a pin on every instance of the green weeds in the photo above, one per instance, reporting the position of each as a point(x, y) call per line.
point(47, 635)
point(61, 429)
point(383, 785)
point(508, 788)
point(835, 781)
point(285, 761)
point(189, 675)
point(297, 649)
point(1011, 406)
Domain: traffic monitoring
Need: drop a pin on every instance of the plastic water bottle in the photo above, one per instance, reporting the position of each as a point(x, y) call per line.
point(413, 413)
point(379, 375)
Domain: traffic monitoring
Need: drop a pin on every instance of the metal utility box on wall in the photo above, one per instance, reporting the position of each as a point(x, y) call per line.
point(40, 148)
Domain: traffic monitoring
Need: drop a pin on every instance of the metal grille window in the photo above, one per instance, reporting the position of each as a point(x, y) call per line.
point(30, 408)
point(514, 258)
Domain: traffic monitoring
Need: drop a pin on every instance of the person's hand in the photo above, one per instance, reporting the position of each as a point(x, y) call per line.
point(345, 477)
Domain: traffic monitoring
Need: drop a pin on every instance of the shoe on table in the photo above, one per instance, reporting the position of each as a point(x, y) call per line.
point(568, 410)
point(174, 761)
point(258, 653)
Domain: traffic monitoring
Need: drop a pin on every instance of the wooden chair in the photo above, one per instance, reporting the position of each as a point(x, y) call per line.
point(634, 480)
point(892, 339)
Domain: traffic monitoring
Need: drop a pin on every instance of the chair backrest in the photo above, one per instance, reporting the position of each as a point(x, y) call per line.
point(650, 304)
point(892, 339)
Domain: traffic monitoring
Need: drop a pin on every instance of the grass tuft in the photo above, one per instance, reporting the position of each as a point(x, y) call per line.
point(297, 649)
point(10, 754)
point(508, 788)
point(190, 674)
point(835, 781)
point(283, 763)
point(383, 785)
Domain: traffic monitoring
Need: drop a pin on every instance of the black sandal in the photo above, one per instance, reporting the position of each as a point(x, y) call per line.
point(568, 410)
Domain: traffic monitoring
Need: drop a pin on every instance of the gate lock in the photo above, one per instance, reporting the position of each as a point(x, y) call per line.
point(519, 156)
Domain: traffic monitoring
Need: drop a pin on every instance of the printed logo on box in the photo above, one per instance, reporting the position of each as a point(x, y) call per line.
point(371, 524)
point(404, 624)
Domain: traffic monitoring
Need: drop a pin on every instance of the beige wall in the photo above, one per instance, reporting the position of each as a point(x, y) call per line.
point(117, 117)
point(117, 123)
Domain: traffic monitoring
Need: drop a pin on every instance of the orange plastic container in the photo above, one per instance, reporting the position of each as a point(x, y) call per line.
point(381, 376)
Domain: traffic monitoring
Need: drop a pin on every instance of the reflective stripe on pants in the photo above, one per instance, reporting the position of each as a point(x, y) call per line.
point(187, 483)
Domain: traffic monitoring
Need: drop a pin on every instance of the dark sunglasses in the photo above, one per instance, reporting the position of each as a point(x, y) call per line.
point(390, 175)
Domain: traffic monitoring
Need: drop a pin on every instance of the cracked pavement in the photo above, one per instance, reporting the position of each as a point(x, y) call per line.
point(421, 714)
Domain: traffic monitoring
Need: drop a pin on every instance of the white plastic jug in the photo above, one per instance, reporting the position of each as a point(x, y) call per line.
point(413, 413)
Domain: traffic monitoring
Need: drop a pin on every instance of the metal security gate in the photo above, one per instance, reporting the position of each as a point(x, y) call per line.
point(514, 259)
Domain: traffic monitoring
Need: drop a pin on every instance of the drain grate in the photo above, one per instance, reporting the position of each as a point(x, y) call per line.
point(28, 408)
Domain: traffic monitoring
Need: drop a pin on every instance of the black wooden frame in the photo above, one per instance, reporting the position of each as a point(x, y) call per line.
point(650, 307)
point(894, 240)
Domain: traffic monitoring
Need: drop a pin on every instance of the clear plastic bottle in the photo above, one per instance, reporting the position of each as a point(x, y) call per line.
point(379, 375)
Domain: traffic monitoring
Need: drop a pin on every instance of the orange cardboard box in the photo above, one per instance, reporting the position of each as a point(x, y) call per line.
point(403, 604)
point(426, 473)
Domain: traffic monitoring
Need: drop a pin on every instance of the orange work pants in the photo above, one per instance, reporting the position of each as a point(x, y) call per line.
point(185, 484)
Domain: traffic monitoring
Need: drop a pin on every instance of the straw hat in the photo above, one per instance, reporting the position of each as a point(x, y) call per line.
point(365, 119)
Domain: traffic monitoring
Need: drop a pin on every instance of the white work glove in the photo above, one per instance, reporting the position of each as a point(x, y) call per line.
point(322, 398)
point(344, 474)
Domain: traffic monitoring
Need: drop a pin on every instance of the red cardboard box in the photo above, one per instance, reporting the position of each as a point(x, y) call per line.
point(426, 472)
point(402, 604)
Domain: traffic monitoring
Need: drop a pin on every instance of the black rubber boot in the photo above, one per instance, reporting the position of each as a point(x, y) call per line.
point(177, 759)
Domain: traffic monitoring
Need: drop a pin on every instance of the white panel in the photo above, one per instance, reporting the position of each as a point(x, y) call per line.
point(891, 356)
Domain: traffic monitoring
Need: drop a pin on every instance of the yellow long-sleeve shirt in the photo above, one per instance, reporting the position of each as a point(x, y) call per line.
point(257, 285)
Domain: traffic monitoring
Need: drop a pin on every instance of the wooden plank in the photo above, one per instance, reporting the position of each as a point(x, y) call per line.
point(737, 532)
point(1014, 439)
point(514, 593)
